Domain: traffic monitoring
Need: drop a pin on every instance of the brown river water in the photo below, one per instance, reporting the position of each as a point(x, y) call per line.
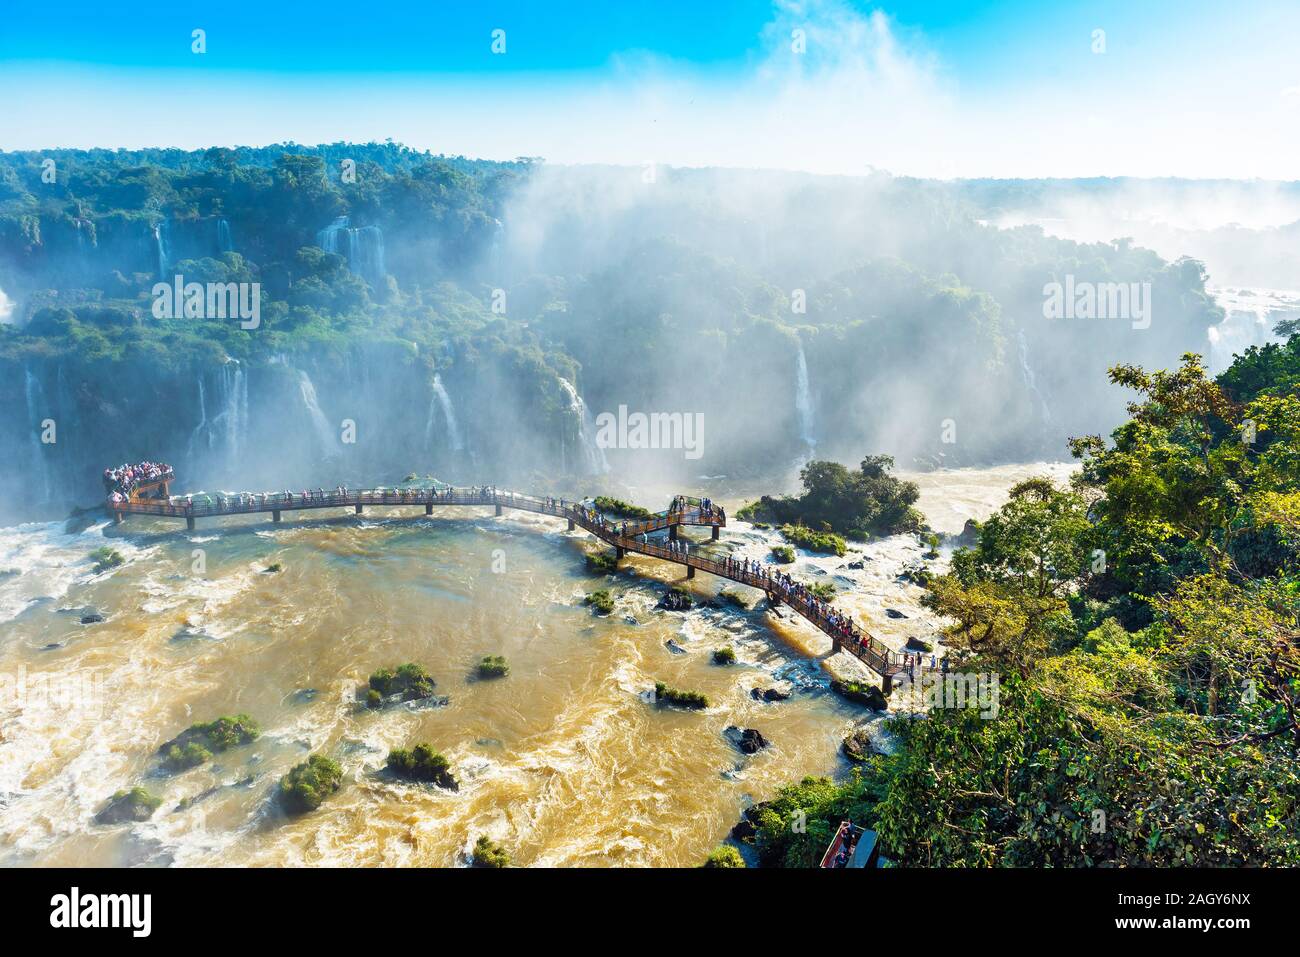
point(564, 762)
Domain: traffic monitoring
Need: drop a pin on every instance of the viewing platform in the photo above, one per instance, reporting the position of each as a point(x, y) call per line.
point(631, 535)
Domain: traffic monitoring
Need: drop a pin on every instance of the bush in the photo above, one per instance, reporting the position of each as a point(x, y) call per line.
point(273, 568)
point(410, 680)
point(724, 855)
point(422, 763)
point(783, 554)
point(308, 784)
point(734, 598)
point(489, 854)
point(826, 542)
point(106, 558)
point(684, 699)
point(823, 591)
point(137, 804)
point(602, 563)
point(616, 506)
point(602, 601)
point(724, 656)
point(201, 740)
point(493, 666)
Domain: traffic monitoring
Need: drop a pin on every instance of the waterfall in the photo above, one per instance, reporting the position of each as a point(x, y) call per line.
point(441, 400)
point(1249, 317)
point(162, 239)
point(224, 242)
point(362, 247)
point(597, 464)
point(35, 414)
point(6, 308)
point(803, 402)
point(224, 433)
point(324, 431)
point(1031, 380)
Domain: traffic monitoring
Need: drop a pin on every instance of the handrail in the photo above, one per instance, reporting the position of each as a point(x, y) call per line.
point(847, 636)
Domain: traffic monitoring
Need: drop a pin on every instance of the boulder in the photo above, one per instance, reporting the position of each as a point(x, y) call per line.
point(894, 613)
point(919, 644)
point(747, 740)
point(769, 694)
point(858, 746)
point(869, 695)
point(91, 618)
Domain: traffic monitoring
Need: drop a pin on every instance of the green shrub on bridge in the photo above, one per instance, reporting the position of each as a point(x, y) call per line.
point(308, 784)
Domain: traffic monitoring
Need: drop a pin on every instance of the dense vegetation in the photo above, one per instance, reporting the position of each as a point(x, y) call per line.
point(134, 804)
point(493, 666)
point(308, 784)
point(201, 740)
point(489, 854)
point(409, 681)
point(1143, 627)
point(860, 504)
point(601, 601)
point(683, 699)
point(422, 763)
point(621, 509)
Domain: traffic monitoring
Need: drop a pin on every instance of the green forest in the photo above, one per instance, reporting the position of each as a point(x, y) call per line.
point(1143, 625)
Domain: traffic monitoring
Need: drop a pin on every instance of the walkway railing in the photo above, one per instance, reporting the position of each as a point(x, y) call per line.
point(624, 536)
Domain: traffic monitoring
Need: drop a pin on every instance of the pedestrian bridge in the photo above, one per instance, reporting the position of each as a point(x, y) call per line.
point(632, 535)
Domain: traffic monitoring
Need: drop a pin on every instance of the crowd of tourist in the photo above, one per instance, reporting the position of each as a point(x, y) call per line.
point(120, 482)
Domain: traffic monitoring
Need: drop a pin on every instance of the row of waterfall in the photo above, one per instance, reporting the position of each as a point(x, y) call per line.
point(212, 238)
point(361, 246)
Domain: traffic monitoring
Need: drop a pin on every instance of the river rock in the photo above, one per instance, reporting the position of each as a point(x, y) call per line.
point(747, 740)
point(857, 566)
point(769, 694)
point(91, 618)
point(894, 613)
point(676, 600)
point(919, 644)
point(863, 694)
point(675, 648)
point(858, 746)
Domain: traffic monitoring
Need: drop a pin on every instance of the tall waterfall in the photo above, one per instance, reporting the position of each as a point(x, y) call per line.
point(441, 400)
point(803, 402)
point(162, 241)
point(6, 308)
point(224, 243)
point(224, 434)
point(36, 412)
point(596, 462)
point(362, 247)
point(324, 431)
point(1031, 380)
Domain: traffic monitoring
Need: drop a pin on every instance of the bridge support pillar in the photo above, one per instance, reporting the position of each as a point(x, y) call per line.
point(498, 511)
point(428, 508)
point(690, 571)
point(189, 522)
point(672, 532)
point(619, 552)
point(358, 509)
point(886, 684)
point(118, 518)
point(715, 533)
point(275, 514)
point(571, 525)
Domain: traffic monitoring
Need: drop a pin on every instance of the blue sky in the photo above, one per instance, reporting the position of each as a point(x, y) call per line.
point(926, 88)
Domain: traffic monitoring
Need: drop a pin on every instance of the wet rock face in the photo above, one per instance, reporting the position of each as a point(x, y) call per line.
point(863, 694)
point(970, 534)
point(769, 694)
point(894, 613)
